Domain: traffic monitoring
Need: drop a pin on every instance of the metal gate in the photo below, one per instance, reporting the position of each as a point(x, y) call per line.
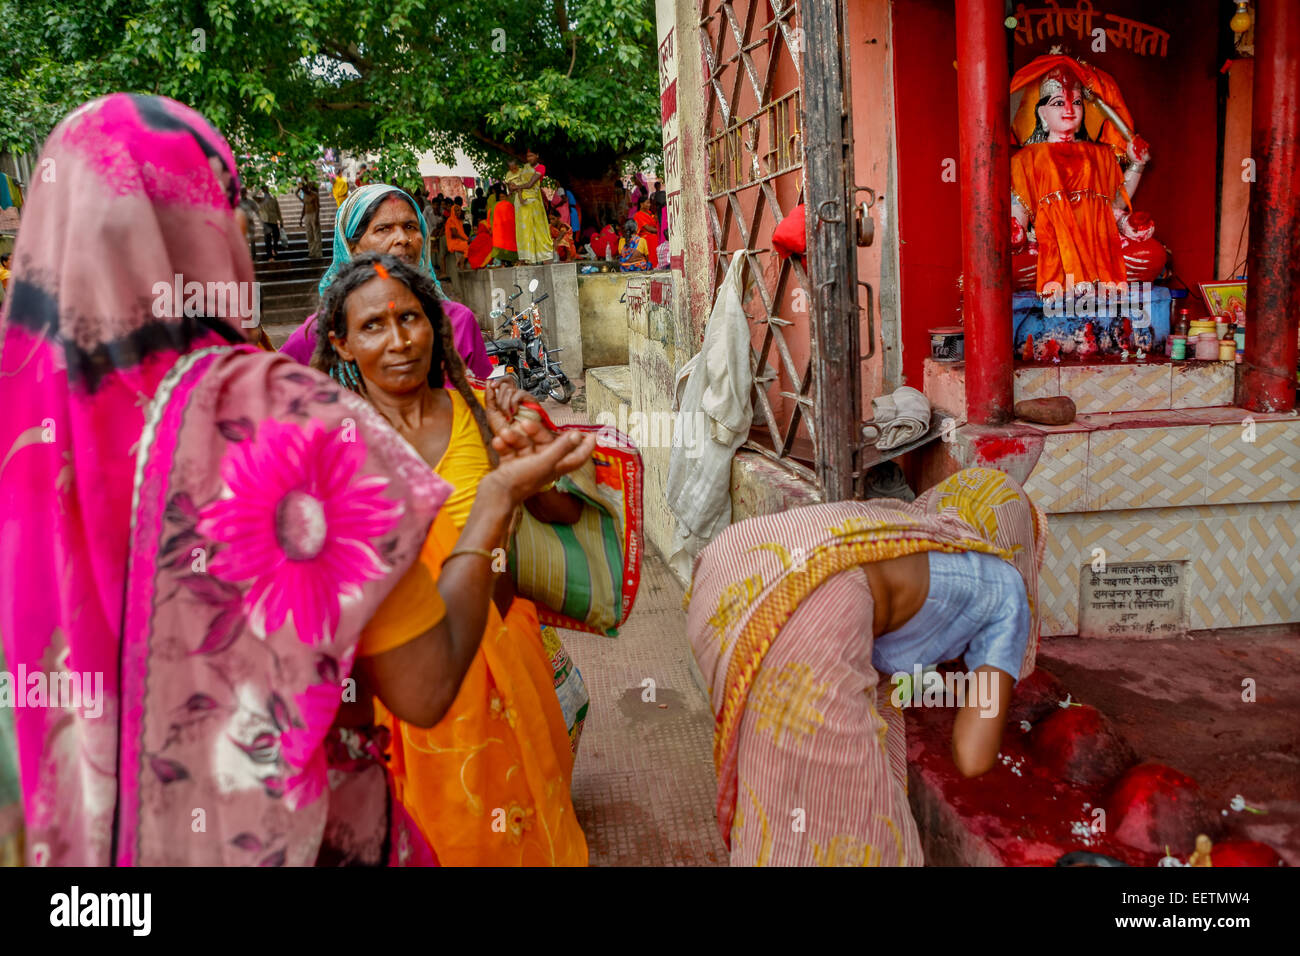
point(776, 112)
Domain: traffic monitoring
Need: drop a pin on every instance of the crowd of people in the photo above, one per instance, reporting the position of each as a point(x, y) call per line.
point(281, 572)
point(518, 220)
point(346, 679)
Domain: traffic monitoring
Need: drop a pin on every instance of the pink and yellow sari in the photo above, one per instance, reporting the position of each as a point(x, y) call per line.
point(811, 770)
point(196, 529)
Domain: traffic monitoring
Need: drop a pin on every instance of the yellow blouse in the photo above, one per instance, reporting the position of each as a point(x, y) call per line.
point(414, 605)
point(465, 461)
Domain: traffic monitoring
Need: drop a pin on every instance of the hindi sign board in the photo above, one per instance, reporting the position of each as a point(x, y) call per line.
point(1147, 599)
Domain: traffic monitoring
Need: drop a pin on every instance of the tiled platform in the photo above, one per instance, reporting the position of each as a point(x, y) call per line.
point(1130, 387)
point(1217, 487)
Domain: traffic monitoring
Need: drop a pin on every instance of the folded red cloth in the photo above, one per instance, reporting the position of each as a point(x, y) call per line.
point(791, 236)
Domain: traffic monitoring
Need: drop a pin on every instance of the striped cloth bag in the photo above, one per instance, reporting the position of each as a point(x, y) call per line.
point(585, 576)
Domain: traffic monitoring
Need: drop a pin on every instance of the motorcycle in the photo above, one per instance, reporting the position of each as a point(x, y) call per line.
point(522, 355)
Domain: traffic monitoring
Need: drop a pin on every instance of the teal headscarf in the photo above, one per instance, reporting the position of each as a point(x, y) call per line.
point(348, 220)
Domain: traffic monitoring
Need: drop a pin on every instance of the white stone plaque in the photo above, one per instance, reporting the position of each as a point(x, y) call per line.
point(1133, 600)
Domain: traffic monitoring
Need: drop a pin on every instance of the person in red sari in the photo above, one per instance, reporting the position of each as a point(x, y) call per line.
point(605, 242)
point(480, 247)
point(505, 248)
point(647, 224)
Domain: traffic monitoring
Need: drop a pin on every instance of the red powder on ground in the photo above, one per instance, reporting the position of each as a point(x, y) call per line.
point(991, 448)
point(1244, 853)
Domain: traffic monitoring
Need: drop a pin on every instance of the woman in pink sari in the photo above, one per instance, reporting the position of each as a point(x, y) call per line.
point(201, 536)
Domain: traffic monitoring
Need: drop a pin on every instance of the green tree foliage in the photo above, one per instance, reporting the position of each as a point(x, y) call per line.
point(575, 79)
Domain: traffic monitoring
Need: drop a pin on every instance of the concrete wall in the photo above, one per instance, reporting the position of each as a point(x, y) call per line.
point(659, 343)
point(583, 315)
point(682, 89)
point(485, 289)
point(603, 319)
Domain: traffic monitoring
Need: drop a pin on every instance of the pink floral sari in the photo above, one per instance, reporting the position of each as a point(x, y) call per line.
point(197, 529)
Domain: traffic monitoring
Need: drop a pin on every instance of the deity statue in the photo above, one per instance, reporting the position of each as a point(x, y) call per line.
point(1073, 178)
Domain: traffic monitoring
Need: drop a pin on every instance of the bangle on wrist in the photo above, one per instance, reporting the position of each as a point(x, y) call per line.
point(481, 552)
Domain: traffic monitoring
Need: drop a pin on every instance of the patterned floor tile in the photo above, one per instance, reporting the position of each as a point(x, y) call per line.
point(1267, 469)
point(1146, 467)
point(1036, 382)
point(1244, 560)
point(1059, 481)
point(1271, 585)
point(1198, 384)
point(1214, 597)
point(1116, 388)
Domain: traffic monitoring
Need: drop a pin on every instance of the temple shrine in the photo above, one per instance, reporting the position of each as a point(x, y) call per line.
point(1073, 227)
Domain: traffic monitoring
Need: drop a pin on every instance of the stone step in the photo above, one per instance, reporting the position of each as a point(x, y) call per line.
point(295, 254)
point(282, 322)
point(300, 302)
point(288, 270)
point(297, 238)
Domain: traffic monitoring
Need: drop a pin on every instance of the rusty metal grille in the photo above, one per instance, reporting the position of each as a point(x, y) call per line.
point(755, 150)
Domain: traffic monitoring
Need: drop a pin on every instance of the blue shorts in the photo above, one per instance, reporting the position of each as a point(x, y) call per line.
point(976, 606)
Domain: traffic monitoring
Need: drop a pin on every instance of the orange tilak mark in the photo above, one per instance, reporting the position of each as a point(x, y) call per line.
point(381, 271)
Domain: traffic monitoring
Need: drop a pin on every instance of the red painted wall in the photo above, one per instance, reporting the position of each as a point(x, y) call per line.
point(929, 213)
point(1173, 100)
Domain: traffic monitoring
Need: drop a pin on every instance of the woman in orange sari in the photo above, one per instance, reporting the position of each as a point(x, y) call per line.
point(562, 239)
point(489, 784)
point(457, 241)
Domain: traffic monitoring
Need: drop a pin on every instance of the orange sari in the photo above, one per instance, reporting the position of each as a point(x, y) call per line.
point(647, 227)
point(1068, 189)
point(457, 241)
point(490, 784)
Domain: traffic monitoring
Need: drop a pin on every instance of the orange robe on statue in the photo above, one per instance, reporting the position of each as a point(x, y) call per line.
point(1069, 190)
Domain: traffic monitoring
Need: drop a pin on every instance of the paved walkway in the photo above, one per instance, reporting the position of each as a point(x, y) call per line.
point(643, 786)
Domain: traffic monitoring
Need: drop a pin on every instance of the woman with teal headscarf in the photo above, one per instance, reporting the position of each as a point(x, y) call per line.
point(383, 218)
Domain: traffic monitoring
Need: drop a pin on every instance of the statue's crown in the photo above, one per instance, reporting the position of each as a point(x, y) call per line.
point(1057, 82)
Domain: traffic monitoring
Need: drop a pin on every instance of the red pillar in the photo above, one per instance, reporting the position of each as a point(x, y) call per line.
point(1267, 382)
point(984, 117)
